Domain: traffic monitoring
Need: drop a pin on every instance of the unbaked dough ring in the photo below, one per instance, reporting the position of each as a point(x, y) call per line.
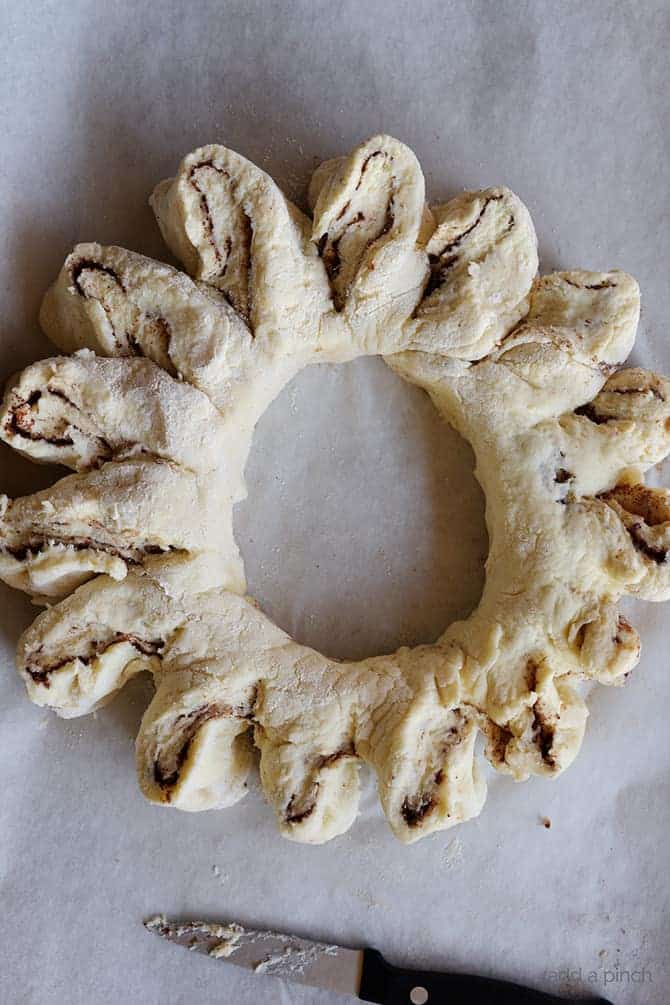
point(155, 412)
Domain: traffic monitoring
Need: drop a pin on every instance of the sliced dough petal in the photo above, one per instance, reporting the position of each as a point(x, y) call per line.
point(626, 426)
point(118, 303)
point(77, 654)
point(232, 227)
point(103, 521)
point(192, 749)
point(367, 220)
point(85, 410)
point(483, 260)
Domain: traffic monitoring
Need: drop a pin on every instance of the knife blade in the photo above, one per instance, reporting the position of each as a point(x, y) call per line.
point(362, 973)
point(301, 961)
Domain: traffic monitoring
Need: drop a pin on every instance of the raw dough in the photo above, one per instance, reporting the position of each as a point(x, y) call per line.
point(155, 414)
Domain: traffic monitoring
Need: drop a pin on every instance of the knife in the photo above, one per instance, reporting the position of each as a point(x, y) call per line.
point(363, 973)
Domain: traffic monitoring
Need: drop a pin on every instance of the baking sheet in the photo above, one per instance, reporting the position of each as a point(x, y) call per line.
point(363, 525)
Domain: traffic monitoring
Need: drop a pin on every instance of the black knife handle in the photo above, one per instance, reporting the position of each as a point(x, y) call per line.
point(387, 985)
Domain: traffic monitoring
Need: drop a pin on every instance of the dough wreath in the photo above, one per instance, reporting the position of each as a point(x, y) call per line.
point(155, 412)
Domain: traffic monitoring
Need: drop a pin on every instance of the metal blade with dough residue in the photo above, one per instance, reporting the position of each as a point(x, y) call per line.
point(301, 961)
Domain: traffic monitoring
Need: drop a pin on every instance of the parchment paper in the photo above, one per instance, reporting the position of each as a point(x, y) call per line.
point(363, 528)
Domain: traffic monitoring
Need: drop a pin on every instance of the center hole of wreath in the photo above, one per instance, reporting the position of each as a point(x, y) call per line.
point(363, 529)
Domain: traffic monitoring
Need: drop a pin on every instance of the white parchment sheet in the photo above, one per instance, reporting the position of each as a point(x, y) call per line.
point(363, 528)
